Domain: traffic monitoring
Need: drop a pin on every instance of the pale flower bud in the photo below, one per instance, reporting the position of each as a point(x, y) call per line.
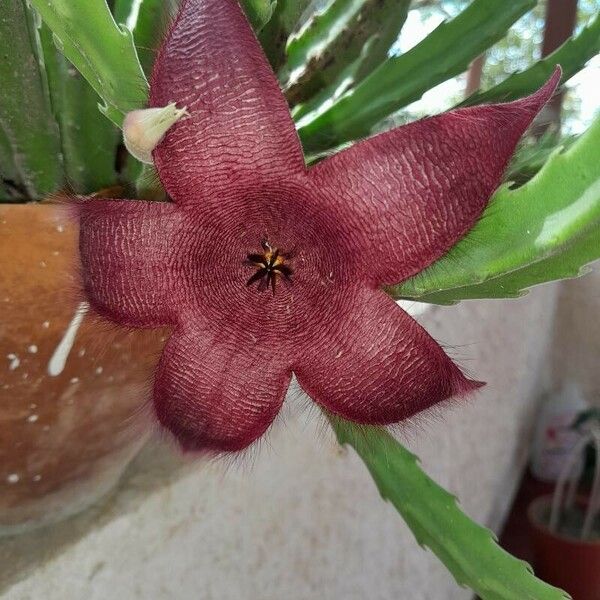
point(144, 129)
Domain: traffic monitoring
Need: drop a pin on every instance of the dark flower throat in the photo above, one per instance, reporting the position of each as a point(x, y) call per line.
point(270, 265)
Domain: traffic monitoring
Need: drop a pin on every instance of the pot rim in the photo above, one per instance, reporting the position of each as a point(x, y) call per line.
point(533, 510)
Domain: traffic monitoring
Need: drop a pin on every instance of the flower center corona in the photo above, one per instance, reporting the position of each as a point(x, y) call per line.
point(270, 265)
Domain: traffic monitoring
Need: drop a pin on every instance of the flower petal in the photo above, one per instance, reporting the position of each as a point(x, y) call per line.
point(378, 366)
point(127, 253)
point(239, 134)
point(218, 392)
point(410, 194)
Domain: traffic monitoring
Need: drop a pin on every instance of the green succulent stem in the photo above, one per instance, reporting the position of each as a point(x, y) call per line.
point(444, 53)
point(89, 141)
point(103, 52)
point(469, 551)
point(335, 38)
point(29, 136)
point(545, 230)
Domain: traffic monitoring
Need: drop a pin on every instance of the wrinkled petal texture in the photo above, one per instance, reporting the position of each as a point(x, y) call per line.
point(215, 393)
point(128, 252)
point(374, 214)
point(408, 195)
point(290, 221)
point(239, 134)
point(378, 365)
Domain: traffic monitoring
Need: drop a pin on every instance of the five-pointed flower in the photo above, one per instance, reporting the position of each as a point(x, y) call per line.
point(264, 267)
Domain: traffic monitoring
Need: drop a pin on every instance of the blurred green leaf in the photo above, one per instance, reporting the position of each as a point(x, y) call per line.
point(122, 10)
point(103, 52)
point(132, 170)
point(11, 187)
point(327, 24)
point(532, 154)
point(545, 230)
point(334, 37)
point(444, 53)
point(329, 94)
point(89, 141)
point(29, 134)
point(148, 185)
point(258, 12)
point(275, 33)
point(468, 550)
point(149, 22)
point(391, 19)
point(571, 56)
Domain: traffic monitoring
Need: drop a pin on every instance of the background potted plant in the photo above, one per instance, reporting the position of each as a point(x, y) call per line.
point(341, 83)
point(566, 525)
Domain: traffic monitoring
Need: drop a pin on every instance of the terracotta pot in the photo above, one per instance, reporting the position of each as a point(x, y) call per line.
point(72, 389)
point(566, 562)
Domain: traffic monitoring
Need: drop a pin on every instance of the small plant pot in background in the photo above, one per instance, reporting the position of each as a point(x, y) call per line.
point(563, 560)
point(73, 390)
point(566, 526)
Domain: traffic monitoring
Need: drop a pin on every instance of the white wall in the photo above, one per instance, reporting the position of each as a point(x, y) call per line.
point(302, 519)
point(576, 343)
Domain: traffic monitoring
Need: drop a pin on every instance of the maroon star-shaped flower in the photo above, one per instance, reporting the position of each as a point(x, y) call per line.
point(264, 267)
